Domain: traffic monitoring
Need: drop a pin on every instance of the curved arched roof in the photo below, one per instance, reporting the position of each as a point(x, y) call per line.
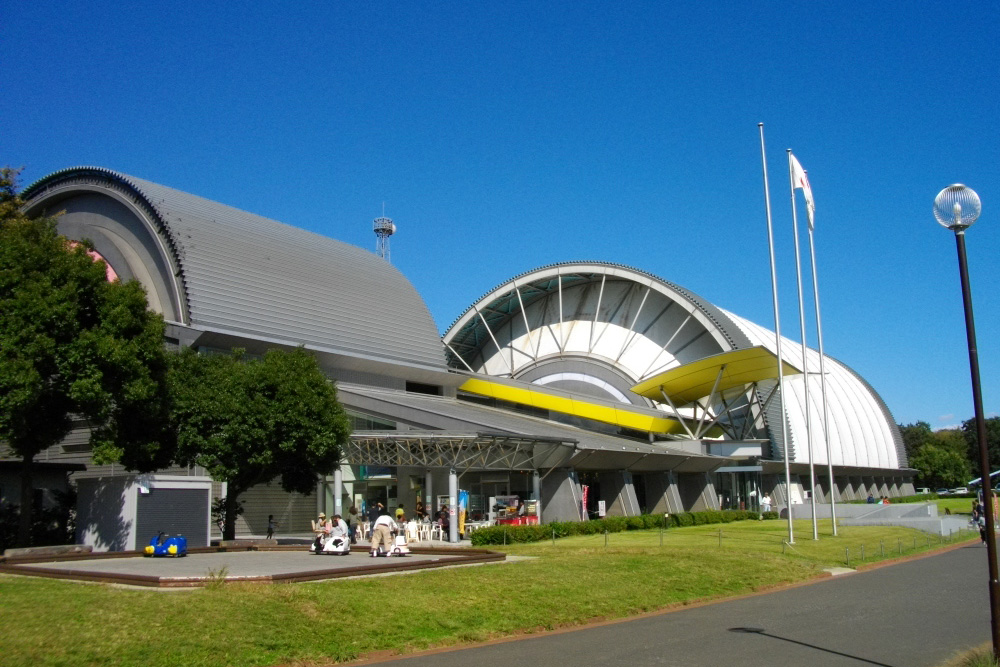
point(218, 268)
point(584, 325)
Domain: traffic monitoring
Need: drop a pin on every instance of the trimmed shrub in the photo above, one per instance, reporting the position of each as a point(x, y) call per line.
point(499, 535)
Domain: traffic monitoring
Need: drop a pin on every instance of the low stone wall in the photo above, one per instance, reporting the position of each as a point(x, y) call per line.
point(57, 550)
point(866, 511)
point(922, 516)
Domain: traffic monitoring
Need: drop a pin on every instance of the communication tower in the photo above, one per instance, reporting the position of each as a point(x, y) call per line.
point(384, 228)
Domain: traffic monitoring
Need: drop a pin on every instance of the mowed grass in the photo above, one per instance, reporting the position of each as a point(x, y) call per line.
point(47, 622)
point(768, 537)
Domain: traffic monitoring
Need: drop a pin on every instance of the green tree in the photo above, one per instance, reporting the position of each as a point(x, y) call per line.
point(940, 467)
point(992, 441)
point(951, 439)
point(71, 343)
point(915, 436)
point(248, 421)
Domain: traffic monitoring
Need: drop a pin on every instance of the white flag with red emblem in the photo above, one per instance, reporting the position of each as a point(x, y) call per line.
point(800, 180)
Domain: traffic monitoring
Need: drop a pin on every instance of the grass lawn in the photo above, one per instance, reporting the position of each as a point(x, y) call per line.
point(48, 622)
point(956, 505)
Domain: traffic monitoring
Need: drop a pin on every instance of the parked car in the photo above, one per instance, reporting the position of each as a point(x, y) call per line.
point(958, 490)
point(943, 492)
point(923, 490)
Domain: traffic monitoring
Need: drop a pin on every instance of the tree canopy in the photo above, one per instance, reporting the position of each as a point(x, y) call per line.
point(992, 441)
point(71, 343)
point(940, 466)
point(248, 421)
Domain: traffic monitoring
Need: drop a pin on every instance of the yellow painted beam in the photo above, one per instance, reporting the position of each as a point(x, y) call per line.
point(690, 382)
point(619, 416)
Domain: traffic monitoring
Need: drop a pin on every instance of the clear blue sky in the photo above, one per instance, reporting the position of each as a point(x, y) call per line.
point(505, 136)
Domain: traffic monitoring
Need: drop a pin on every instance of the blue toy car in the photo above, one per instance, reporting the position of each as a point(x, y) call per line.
point(164, 545)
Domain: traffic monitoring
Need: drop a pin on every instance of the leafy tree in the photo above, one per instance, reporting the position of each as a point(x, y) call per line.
point(248, 421)
point(915, 436)
point(992, 441)
point(953, 440)
point(940, 467)
point(71, 343)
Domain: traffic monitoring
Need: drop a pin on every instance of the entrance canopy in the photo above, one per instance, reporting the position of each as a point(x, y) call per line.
point(463, 452)
point(715, 374)
point(468, 436)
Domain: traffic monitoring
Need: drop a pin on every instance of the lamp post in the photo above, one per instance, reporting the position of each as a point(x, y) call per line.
point(957, 208)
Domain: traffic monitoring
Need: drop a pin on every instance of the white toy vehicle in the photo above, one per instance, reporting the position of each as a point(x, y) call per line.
point(337, 545)
point(399, 548)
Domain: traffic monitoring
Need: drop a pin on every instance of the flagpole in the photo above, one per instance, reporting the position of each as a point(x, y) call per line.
point(777, 342)
point(822, 384)
point(805, 350)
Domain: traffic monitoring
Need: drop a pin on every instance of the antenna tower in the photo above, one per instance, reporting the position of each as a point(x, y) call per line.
point(384, 228)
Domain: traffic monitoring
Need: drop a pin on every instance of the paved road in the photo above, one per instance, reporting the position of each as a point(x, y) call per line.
point(914, 614)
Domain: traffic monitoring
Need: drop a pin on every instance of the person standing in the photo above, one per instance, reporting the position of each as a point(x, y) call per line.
point(765, 503)
point(353, 519)
point(382, 531)
point(271, 526)
point(373, 513)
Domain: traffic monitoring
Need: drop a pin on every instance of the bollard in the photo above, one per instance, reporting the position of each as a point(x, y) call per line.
point(900, 540)
point(553, 537)
point(847, 555)
point(862, 553)
point(881, 548)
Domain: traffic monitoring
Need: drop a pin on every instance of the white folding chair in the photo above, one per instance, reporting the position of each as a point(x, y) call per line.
point(436, 529)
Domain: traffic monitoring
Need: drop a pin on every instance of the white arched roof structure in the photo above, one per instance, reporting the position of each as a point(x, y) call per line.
point(598, 329)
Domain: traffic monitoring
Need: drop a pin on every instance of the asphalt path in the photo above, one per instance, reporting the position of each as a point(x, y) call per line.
point(912, 614)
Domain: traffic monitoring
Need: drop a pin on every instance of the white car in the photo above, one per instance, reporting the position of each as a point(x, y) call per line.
point(959, 490)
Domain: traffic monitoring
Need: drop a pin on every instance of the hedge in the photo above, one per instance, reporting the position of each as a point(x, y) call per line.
point(494, 535)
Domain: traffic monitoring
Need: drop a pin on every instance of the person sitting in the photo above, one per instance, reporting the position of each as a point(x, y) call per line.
point(400, 512)
point(322, 528)
point(443, 518)
point(339, 526)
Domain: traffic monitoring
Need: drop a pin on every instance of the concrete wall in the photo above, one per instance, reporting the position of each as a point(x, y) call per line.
point(618, 493)
point(662, 494)
point(561, 496)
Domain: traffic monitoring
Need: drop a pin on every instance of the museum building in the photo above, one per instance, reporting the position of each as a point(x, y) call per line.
point(586, 387)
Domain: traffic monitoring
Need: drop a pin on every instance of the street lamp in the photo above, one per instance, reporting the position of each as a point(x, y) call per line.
point(957, 208)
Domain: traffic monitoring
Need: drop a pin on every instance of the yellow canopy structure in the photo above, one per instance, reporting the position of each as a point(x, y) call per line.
point(609, 413)
point(698, 379)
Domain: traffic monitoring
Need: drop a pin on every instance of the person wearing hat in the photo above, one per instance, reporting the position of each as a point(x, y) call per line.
point(322, 528)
